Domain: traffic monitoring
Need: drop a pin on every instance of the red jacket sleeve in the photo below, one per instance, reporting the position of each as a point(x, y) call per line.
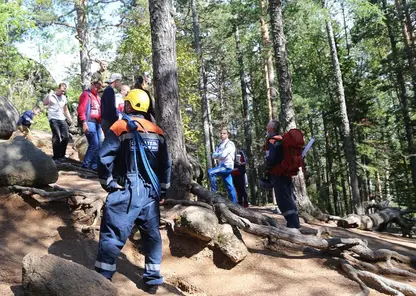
point(82, 107)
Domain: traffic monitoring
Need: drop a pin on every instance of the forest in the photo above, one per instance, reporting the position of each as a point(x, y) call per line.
point(341, 71)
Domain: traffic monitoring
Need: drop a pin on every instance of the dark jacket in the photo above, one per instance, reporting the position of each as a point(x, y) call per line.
point(108, 105)
point(274, 152)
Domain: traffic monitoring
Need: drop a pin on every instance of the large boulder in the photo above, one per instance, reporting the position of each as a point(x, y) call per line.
point(8, 118)
point(49, 275)
point(197, 222)
point(22, 163)
point(229, 244)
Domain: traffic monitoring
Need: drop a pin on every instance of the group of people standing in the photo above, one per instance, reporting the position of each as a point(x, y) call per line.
point(134, 165)
point(232, 168)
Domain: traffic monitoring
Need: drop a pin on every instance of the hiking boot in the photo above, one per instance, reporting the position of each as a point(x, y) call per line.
point(151, 289)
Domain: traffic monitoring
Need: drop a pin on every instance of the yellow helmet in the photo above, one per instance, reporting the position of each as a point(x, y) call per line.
point(138, 99)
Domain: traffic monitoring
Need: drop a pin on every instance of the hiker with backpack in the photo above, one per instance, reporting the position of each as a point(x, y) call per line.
point(225, 154)
point(239, 178)
point(89, 116)
point(283, 160)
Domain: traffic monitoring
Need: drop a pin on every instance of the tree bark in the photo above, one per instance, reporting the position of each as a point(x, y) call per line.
point(329, 162)
point(397, 66)
point(268, 62)
point(317, 164)
point(287, 118)
point(83, 39)
point(202, 87)
point(246, 97)
point(344, 181)
point(165, 71)
point(409, 40)
point(348, 145)
point(368, 222)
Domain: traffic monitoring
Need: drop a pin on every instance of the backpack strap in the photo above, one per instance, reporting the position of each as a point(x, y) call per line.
point(88, 110)
point(138, 141)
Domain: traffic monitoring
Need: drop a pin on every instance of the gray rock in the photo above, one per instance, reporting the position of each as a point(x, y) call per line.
point(49, 275)
point(8, 118)
point(229, 244)
point(197, 222)
point(22, 163)
point(81, 146)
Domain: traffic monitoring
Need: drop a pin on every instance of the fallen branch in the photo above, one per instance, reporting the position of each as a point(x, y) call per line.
point(74, 167)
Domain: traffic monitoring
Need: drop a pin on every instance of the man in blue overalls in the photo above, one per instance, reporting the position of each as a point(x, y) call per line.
point(134, 167)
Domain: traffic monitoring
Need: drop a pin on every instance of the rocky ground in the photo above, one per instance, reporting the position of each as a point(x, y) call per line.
point(189, 266)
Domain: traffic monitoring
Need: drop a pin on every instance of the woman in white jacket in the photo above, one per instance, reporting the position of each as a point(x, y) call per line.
point(225, 153)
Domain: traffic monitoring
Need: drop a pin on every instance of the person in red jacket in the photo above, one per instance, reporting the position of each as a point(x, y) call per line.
point(89, 116)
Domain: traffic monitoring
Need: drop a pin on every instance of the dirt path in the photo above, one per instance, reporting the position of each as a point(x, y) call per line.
point(194, 268)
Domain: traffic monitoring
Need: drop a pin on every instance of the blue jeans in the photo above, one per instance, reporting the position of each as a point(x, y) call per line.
point(94, 143)
point(225, 173)
point(283, 188)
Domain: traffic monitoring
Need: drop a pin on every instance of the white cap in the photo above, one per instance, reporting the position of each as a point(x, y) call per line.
point(114, 77)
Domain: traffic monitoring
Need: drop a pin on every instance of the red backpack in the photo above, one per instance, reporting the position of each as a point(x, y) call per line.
point(292, 142)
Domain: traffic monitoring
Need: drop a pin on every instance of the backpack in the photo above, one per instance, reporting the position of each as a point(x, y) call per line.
point(292, 142)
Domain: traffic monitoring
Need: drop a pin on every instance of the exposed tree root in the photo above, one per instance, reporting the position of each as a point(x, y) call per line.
point(368, 279)
point(75, 166)
point(214, 198)
point(87, 206)
point(361, 263)
point(187, 203)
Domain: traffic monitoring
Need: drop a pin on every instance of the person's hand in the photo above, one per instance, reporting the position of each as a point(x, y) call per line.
point(85, 128)
point(215, 155)
point(70, 122)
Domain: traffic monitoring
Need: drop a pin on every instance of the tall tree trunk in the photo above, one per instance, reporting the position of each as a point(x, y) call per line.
point(409, 40)
point(411, 149)
point(287, 118)
point(247, 120)
point(165, 71)
point(332, 187)
point(348, 145)
point(317, 164)
point(344, 181)
point(206, 112)
point(83, 39)
point(268, 62)
point(344, 22)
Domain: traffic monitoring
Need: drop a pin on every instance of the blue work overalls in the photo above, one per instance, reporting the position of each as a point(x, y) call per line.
point(137, 202)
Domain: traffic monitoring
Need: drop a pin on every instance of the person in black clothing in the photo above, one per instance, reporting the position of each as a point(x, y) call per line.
point(239, 178)
point(109, 111)
point(142, 83)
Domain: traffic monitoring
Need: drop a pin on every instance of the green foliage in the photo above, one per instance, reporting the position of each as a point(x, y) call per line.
point(364, 52)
